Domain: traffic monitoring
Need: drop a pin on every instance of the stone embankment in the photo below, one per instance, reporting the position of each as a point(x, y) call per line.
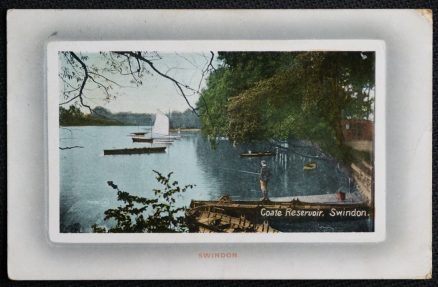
point(363, 176)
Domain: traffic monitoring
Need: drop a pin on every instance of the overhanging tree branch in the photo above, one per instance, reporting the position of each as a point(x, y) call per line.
point(84, 81)
point(210, 64)
point(179, 85)
point(121, 63)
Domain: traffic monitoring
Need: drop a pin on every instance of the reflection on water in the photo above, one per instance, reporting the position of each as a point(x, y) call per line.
point(84, 172)
point(288, 177)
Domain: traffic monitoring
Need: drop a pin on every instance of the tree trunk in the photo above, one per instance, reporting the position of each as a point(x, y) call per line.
point(339, 133)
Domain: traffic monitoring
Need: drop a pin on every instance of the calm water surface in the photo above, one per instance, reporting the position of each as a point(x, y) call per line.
point(85, 194)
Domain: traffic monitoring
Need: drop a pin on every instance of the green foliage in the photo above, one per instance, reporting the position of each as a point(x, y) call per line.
point(139, 214)
point(239, 72)
point(124, 118)
point(281, 95)
point(213, 101)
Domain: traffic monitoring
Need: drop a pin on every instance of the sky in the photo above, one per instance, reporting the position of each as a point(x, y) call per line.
point(156, 92)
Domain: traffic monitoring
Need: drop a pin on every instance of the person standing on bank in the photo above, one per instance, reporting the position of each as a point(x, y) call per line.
point(265, 175)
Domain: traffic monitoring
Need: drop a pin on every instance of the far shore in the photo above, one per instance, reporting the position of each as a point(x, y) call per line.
point(185, 130)
point(117, 125)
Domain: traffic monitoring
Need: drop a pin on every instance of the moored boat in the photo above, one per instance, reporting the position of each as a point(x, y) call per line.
point(127, 151)
point(142, 139)
point(214, 215)
point(138, 133)
point(211, 220)
point(309, 166)
point(160, 129)
point(257, 154)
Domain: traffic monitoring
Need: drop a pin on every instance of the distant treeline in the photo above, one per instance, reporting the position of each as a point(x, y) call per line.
point(127, 118)
point(184, 120)
point(73, 116)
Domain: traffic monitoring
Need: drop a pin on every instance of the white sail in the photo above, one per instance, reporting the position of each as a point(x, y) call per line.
point(161, 125)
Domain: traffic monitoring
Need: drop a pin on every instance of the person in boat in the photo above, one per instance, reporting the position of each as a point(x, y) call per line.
point(264, 177)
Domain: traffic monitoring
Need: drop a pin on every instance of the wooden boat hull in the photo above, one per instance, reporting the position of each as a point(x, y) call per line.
point(128, 151)
point(257, 154)
point(142, 140)
point(208, 221)
point(309, 166)
point(272, 213)
point(138, 133)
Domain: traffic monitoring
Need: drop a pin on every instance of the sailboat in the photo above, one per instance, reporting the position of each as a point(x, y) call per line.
point(160, 130)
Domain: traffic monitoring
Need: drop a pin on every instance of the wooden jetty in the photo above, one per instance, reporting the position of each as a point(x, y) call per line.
point(226, 215)
point(257, 154)
point(127, 151)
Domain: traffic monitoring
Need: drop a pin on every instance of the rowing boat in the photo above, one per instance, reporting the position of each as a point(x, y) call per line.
point(214, 215)
point(141, 139)
point(309, 166)
point(207, 221)
point(125, 151)
point(257, 154)
point(138, 133)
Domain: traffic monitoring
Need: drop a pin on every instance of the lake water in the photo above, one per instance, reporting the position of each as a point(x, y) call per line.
point(218, 171)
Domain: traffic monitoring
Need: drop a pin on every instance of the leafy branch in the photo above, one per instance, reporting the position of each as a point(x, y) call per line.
point(138, 214)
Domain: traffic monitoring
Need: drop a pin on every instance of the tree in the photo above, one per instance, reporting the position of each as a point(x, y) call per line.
point(238, 71)
point(290, 95)
point(70, 116)
point(140, 214)
point(79, 74)
point(73, 116)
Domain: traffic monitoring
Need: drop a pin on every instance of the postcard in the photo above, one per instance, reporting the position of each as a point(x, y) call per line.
point(216, 141)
